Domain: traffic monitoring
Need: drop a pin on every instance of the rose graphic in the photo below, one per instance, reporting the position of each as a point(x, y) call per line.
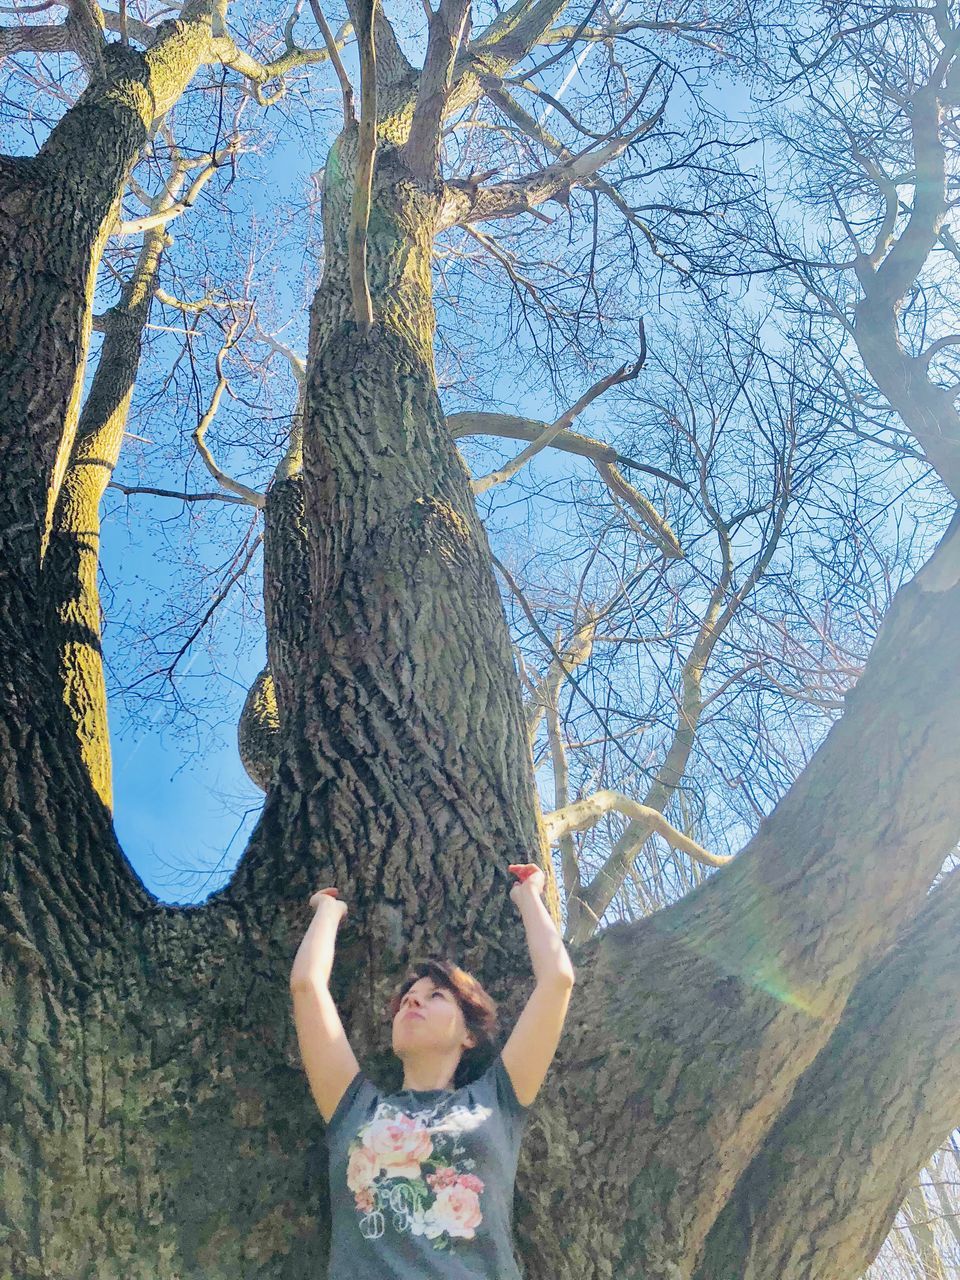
point(456, 1211)
point(399, 1145)
point(444, 1177)
point(385, 1168)
point(361, 1168)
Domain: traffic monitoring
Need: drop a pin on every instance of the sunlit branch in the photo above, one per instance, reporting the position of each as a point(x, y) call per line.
point(298, 366)
point(561, 775)
point(135, 226)
point(471, 423)
point(252, 496)
point(586, 813)
point(227, 52)
point(605, 458)
point(292, 460)
point(360, 208)
point(201, 304)
point(566, 658)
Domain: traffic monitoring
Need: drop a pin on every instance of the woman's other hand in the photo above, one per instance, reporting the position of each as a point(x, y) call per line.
point(530, 880)
point(319, 900)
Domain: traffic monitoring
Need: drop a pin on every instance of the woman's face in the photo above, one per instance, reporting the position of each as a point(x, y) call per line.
point(429, 1017)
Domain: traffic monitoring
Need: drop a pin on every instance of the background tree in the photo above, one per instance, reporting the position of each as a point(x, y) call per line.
point(711, 1084)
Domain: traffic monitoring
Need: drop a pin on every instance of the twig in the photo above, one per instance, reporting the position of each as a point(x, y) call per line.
point(331, 43)
point(626, 373)
point(172, 493)
point(252, 496)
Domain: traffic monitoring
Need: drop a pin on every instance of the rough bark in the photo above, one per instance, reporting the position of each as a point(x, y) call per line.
point(820, 1198)
point(286, 579)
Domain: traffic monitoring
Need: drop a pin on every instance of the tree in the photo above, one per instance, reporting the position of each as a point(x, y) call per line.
point(160, 1120)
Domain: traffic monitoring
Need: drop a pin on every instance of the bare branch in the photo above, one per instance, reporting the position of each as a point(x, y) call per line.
point(360, 209)
point(465, 202)
point(252, 496)
point(181, 497)
point(332, 48)
point(587, 813)
point(626, 373)
point(447, 26)
point(510, 427)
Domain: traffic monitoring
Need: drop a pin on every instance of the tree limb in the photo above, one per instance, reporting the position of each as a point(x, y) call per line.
point(360, 207)
point(447, 26)
point(882, 1094)
point(346, 88)
point(465, 202)
point(626, 373)
point(586, 813)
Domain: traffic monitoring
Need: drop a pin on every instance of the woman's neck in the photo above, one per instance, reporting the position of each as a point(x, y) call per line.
point(421, 1076)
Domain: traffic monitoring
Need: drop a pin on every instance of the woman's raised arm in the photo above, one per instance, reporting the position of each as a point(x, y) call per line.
point(534, 1039)
point(328, 1058)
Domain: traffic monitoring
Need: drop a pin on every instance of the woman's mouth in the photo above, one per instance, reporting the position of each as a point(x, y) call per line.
point(413, 1014)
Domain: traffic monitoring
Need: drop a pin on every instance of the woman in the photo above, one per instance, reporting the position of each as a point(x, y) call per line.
point(421, 1180)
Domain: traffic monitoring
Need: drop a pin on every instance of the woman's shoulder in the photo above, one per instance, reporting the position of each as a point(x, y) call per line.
point(359, 1094)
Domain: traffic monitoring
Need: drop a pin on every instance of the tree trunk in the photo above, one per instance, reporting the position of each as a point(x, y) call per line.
point(820, 1198)
point(158, 1122)
point(70, 566)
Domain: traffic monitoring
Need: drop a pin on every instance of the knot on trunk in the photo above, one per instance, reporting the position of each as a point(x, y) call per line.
point(258, 733)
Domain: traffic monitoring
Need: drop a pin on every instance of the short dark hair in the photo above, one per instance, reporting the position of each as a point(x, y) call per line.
point(479, 1010)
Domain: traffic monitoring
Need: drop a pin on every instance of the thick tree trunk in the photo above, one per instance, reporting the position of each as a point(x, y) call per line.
point(820, 1198)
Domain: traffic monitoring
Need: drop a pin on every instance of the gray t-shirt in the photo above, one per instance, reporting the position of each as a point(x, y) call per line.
point(421, 1181)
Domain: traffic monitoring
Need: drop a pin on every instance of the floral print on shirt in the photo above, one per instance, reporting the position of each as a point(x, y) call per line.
point(414, 1168)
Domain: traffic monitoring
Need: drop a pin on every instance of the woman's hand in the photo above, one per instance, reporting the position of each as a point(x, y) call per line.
point(530, 881)
point(322, 896)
